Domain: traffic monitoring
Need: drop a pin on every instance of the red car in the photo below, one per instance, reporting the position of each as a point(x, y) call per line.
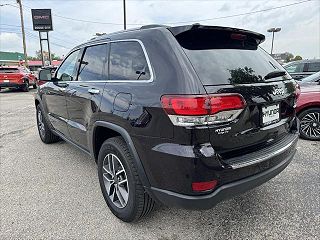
point(17, 77)
point(308, 111)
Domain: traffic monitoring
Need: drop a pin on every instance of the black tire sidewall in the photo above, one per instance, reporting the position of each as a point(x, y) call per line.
point(300, 116)
point(25, 87)
point(46, 128)
point(128, 213)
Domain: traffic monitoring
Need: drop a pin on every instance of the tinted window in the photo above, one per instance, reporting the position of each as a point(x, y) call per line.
point(295, 68)
point(235, 66)
point(9, 70)
point(94, 65)
point(66, 71)
point(314, 67)
point(128, 62)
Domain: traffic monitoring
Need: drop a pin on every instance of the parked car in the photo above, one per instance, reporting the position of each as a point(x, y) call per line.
point(17, 77)
point(312, 79)
point(308, 111)
point(303, 68)
point(185, 116)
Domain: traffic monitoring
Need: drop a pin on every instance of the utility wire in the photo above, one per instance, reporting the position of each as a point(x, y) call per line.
point(193, 21)
point(33, 37)
point(29, 29)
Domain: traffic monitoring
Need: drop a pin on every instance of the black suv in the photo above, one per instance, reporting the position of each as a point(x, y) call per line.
point(185, 116)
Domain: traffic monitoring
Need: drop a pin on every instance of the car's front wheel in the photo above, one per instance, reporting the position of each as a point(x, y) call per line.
point(120, 183)
point(310, 124)
point(45, 133)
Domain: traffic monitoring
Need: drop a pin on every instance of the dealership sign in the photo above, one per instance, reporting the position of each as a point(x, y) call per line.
point(41, 19)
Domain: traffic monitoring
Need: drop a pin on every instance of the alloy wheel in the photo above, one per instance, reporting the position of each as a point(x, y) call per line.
point(310, 125)
point(41, 124)
point(115, 180)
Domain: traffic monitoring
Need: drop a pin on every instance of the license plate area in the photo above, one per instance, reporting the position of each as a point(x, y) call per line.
point(6, 81)
point(270, 114)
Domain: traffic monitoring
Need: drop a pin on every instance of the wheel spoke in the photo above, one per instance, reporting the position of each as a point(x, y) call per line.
point(106, 177)
point(105, 168)
point(113, 168)
point(123, 181)
point(119, 172)
point(124, 193)
point(120, 197)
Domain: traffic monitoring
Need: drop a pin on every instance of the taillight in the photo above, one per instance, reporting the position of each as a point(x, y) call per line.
point(193, 110)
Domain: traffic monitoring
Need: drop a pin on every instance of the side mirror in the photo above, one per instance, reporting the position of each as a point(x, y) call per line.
point(45, 75)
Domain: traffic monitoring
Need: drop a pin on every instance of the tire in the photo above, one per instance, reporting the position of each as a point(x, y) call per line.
point(139, 203)
point(34, 86)
point(25, 87)
point(310, 124)
point(45, 133)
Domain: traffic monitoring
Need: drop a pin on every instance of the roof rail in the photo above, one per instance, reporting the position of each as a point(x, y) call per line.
point(153, 26)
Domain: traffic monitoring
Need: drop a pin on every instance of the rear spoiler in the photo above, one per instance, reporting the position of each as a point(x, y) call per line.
point(181, 30)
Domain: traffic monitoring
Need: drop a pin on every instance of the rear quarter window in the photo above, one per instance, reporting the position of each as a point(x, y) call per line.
point(128, 62)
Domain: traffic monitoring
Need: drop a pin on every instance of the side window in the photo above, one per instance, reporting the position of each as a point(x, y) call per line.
point(66, 71)
point(128, 62)
point(314, 67)
point(94, 65)
point(295, 68)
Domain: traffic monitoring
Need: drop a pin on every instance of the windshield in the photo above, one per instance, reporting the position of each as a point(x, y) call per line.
point(9, 70)
point(233, 66)
point(313, 78)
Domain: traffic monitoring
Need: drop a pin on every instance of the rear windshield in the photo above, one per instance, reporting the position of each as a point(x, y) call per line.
point(9, 70)
point(232, 66)
point(226, 56)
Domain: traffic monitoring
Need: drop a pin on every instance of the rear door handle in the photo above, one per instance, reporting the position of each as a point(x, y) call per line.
point(93, 91)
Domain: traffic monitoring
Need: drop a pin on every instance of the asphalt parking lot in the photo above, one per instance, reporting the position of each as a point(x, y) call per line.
point(52, 192)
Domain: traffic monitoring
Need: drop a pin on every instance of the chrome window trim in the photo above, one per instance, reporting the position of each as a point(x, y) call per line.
point(121, 81)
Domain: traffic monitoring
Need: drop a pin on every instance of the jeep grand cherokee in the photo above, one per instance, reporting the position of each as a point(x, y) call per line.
point(185, 116)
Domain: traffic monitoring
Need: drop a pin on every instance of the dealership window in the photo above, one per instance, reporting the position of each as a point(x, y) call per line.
point(66, 72)
point(128, 62)
point(94, 65)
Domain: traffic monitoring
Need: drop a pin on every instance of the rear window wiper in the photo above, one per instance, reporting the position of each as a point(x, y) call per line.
point(274, 74)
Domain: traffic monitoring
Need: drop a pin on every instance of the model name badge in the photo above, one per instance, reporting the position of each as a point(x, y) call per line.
point(278, 91)
point(223, 130)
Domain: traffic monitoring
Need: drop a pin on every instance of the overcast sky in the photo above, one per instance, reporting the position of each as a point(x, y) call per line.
point(300, 23)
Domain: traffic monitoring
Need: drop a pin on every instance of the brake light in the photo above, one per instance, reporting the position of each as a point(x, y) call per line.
point(238, 36)
point(192, 110)
point(204, 186)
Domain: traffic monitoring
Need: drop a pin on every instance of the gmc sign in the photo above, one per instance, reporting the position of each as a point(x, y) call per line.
point(41, 19)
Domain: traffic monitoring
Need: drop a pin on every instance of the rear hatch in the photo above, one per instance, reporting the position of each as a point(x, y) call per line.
point(9, 74)
point(230, 61)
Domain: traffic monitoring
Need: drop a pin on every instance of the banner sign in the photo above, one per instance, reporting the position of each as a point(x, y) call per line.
point(41, 19)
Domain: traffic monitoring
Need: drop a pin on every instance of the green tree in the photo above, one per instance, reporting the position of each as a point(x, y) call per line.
point(289, 56)
point(296, 58)
point(38, 56)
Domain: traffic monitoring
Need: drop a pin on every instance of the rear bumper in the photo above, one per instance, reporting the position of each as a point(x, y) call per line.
point(228, 190)
point(11, 85)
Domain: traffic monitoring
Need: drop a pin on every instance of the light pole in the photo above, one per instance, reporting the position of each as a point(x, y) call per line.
point(124, 15)
point(273, 30)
